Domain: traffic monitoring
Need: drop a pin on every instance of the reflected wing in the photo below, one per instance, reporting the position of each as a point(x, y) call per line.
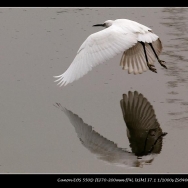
point(97, 144)
point(138, 113)
point(96, 49)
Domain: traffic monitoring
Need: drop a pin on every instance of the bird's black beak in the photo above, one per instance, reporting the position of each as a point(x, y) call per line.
point(99, 25)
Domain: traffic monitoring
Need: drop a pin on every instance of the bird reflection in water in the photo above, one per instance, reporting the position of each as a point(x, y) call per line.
point(143, 131)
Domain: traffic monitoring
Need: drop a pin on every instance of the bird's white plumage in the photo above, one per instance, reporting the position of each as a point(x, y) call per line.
point(120, 36)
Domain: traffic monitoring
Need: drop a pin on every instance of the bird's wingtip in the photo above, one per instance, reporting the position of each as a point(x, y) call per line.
point(59, 106)
point(57, 76)
point(60, 80)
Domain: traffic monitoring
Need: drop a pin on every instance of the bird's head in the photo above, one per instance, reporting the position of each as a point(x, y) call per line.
point(106, 24)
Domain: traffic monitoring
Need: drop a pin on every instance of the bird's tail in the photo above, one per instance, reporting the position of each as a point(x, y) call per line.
point(134, 59)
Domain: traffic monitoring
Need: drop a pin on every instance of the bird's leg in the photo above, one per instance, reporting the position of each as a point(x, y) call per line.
point(160, 61)
point(151, 67)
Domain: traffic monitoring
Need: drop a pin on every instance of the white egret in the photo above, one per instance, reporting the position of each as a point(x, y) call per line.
point(140, 47)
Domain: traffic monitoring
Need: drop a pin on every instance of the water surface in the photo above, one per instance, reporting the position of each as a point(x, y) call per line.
point(37, 137)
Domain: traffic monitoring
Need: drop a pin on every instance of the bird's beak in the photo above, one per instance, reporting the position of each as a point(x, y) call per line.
point(99, 25)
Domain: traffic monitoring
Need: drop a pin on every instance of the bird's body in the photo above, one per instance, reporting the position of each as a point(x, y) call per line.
point(139, 45)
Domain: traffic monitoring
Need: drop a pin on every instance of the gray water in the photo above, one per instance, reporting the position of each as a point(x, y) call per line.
point(37, 137)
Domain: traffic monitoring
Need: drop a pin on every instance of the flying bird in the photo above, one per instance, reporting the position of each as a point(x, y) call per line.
point(143, 131)
point(139, 45)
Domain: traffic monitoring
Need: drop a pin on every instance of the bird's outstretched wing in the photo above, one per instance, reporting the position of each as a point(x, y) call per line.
point(97, 144)
point(134, 59)
point(96, 49)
